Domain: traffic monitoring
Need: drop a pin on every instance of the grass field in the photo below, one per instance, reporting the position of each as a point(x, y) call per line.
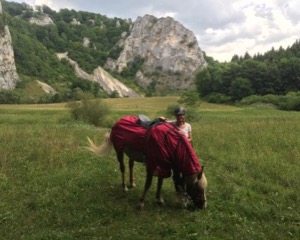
point(52, 188)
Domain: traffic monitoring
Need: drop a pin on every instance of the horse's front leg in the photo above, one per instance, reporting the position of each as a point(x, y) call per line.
point(146, 188)
point(159, 199)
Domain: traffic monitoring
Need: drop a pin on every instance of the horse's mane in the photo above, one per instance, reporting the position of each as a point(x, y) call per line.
point(102, 149)
point(203, 181)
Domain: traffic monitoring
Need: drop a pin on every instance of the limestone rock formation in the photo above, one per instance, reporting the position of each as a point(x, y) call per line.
point(46, 88)
point(8, 72)
point(171, 53)
point(43, 20)
point(106, 81)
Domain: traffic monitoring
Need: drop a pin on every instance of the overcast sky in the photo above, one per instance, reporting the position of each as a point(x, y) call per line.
point(223, 27)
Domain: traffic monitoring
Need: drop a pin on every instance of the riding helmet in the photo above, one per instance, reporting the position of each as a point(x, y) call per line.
point(179, 111)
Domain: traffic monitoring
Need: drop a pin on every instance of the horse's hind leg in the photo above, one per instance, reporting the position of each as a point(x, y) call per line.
point(131, 177)
point(159, 199)
point(120, 157)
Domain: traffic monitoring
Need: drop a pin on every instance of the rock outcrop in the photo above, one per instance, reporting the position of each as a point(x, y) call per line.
point(46, 88)
point(43, 20)
point(170, 52)
point(8, 72)
point(106, 81)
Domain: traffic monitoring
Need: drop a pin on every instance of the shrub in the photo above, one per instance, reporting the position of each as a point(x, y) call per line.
point(190, 98)
point(171, 109)
point(92, 112)
point(218, 98)
point(191, 113)
point(289, 102)
point(9, 97)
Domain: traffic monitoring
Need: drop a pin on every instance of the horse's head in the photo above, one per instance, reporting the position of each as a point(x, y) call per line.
point(196, 187)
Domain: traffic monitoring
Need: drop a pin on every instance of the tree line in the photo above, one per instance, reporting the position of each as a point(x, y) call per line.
point(276, 72)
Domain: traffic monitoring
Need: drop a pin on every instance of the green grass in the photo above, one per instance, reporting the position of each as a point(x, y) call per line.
point(52, 188)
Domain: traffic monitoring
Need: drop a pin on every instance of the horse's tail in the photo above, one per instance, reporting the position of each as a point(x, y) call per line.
point(102, 149)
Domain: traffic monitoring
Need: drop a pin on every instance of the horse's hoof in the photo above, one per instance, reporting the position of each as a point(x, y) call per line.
point(141, 206)
point(132, 185)
point(125, 189)
point(161, 202)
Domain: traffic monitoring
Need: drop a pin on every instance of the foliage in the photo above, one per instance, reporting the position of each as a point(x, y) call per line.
point(189, 99)
point(217, 98)
point(192, 115)
point(289, 102)
point(133, 67)
point(170, 110)
point(91, 112)
point(8, 97)
point(2, 24)
point(276, 72)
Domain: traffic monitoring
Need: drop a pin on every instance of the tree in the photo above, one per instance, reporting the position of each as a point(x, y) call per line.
point(289, 70)
point(240, 88)
point(189, 98)
point(230, 71)
point(203, 82)
point(256, 72)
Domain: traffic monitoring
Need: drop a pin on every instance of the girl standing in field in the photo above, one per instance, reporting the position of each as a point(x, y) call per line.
point(184, 127)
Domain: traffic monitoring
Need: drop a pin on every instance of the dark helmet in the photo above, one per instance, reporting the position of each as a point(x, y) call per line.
point(179, 111)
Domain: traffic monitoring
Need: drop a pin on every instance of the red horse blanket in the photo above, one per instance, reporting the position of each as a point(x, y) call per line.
point(167, 148)
point(127, 132)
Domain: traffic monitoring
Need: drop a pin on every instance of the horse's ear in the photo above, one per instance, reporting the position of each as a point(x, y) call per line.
point(200, 173)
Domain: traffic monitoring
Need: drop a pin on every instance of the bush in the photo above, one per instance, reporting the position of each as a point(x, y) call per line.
point(92, 112)
point(218, 98)
point(190, 98)
point(191, 113)
point(289, 102)
point(171, 109)
point(9, 97)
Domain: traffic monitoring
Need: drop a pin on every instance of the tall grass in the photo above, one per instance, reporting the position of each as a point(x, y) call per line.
point(52, 188)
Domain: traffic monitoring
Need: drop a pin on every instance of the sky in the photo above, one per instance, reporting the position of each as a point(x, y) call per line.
point(223, 28)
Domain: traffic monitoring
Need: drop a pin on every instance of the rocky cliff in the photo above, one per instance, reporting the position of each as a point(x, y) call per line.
point(8, 73)
point(170, 52)
point(105, 80)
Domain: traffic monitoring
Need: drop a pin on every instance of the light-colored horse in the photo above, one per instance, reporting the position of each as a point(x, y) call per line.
point(194, 183)
point(132, 154)
point(126, 136)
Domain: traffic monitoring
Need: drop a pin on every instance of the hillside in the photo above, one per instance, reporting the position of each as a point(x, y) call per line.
point(92, 41)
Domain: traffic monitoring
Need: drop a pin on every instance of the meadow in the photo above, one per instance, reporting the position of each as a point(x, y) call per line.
point(52, 188)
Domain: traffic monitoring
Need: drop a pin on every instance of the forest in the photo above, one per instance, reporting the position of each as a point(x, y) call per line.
point(273, 77)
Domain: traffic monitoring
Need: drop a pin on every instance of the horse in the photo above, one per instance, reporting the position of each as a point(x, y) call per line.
point(126, 136)
point(156, 144)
